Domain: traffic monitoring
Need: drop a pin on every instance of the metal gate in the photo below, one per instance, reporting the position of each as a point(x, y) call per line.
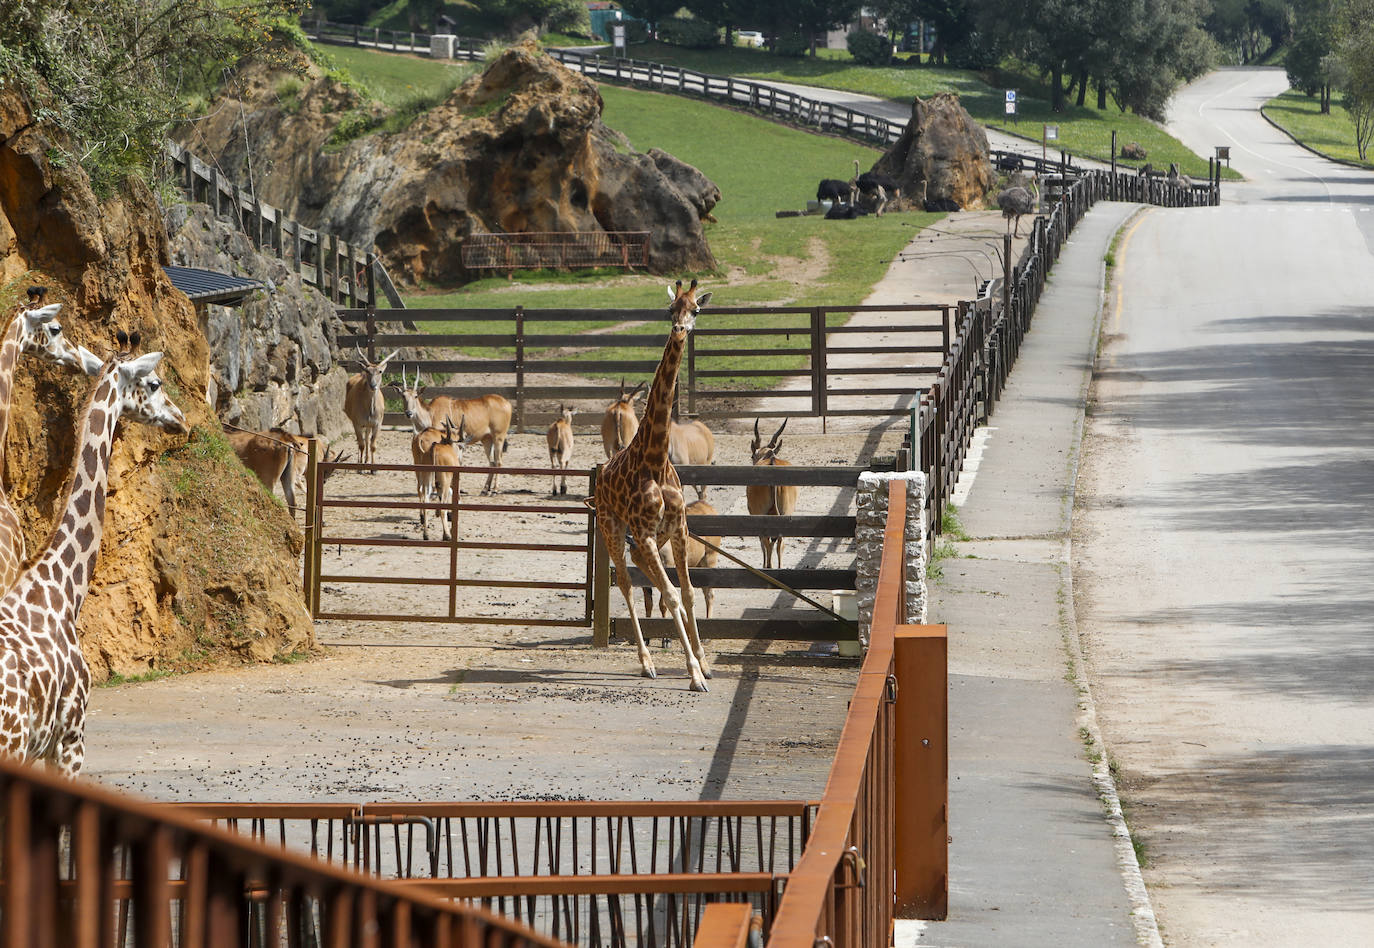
point(351, 542)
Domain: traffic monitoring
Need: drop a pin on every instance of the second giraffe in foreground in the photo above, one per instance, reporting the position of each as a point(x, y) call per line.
point(44, 680)
point(638, 491)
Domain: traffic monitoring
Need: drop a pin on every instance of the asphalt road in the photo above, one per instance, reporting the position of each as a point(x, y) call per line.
point(1224, 538)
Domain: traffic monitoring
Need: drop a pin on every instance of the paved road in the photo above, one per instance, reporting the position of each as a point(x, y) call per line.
point(1224, 539)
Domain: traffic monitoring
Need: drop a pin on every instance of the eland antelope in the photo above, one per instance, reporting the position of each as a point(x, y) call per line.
point(365, 406)
point(770, 499)
point(699, 556)
point(619, 424)
point(691, 443)
point(485, 418)
point(276, 457)
point(560, 436)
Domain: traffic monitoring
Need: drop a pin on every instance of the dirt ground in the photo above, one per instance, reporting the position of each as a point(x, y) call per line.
point(431, 711)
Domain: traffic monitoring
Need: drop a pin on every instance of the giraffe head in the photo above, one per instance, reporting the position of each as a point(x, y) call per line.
point(683, 305)
point(41, 332)
point(141, 394)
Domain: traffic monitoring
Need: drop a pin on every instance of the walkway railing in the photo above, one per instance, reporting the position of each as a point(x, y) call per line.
point(92, 869)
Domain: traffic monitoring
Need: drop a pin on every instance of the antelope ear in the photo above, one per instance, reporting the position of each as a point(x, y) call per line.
point(703, 299)
point(143, 365)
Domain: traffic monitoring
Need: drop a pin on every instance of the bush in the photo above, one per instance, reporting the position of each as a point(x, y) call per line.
point(869, 49)
point(975, 51)
point(791, 44)
point(688, 32)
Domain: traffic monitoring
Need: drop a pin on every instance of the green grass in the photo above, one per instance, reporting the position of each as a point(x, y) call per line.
point(117, 679)
point(1085, 132)
point(399, 79)
point(1332, 135)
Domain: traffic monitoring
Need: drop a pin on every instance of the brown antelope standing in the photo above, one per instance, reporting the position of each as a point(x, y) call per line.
point(447, 452)
point(691, 443)
point(699, 556)
point(277, 457)
point(365, 406)
point(485, 418)
point(770, 499)
point(561, 447)
point(619, 425)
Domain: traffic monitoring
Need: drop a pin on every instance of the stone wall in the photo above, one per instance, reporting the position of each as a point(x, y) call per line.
point(871, 504)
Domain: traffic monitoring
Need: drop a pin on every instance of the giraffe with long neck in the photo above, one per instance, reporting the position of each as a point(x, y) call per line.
point(639, 491)
point(32, 328)
point(44, 680)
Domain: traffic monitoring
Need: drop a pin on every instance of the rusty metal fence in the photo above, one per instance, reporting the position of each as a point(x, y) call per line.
point(87, 868)
point(561, 251)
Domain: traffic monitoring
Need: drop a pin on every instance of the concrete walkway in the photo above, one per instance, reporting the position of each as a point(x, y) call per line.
point(1033, 860)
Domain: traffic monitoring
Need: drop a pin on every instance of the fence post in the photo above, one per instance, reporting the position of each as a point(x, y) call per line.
point(333, 269)
point(691, 373)
point(452, 549)
point(921, 769)
point(519, 368)
point(310, 565)
point(819, 364)
point(601, 580)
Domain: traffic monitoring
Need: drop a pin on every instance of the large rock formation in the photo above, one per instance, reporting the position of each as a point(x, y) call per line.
point(943, 153)
point(274, 356)
point(519, 148)
point(196, 561)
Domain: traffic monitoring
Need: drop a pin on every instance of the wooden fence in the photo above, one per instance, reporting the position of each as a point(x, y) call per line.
point(396, 41)
point(346, 274)
point(785, 359)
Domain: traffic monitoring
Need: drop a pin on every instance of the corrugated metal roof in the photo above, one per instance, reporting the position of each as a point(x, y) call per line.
point(207, 286)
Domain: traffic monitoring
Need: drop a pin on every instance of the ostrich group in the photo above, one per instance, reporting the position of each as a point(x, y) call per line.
point(867, 192)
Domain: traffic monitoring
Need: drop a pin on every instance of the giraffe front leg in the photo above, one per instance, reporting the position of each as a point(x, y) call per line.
point(684, 581)
point(613, 535)
point(647, 559)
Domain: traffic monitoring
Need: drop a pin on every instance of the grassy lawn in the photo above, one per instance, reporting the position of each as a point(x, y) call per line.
point(1300, 116)
point(1086, 132)
point(397, 79)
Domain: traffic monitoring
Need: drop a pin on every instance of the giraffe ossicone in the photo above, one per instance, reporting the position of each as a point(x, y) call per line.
point(44, 679)
point(638, 492)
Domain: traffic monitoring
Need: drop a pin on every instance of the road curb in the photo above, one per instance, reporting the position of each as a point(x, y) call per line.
point(1142, 910)
point(1306, 147)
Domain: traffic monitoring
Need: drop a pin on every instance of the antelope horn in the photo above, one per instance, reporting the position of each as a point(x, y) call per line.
point(756, 431)
point(390, 357)
point(622, 388)
point(361, 358)
point(638, 389)
point(773, 443)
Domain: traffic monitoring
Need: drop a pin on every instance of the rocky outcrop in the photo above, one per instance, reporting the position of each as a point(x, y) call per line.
point(274, 356)
point(196, 561)
point(519, 148)
point(942, 154)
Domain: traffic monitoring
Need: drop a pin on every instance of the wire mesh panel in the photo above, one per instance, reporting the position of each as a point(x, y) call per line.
point(573, 250)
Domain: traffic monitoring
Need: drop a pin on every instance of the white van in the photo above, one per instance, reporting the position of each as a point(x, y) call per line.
point(750, 38)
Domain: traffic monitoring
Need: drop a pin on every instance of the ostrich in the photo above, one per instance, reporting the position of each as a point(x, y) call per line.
point(1019, 199)
point(831, 189)
point(1177, 178)
point(876, 186)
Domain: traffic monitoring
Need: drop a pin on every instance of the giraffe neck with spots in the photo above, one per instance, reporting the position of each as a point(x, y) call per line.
point(71, 553)
point(654, 428)
point(9, 357)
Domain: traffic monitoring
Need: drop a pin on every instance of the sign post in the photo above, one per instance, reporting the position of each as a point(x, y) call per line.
point(618, 39)
point(1050, 134)
point(1011, 104)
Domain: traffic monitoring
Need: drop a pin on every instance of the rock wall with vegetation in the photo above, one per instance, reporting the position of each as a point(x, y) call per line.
point(197, 564)
point(520, 147)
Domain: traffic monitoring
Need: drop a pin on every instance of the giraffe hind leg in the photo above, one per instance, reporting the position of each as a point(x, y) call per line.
point(684, 580)
point(647, 559)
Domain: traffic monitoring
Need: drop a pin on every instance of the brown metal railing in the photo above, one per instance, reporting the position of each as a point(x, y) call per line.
point(87, 868)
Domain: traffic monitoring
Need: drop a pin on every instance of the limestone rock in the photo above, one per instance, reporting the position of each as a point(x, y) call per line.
point(520, 147)
point(170, 508)
point(942, 154)
point(275, 355)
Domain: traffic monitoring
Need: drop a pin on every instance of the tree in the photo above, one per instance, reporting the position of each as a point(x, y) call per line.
point(651, 11)
point(1307, 60)
point(1352, 66)
point(113, 73)
point(955, 22)
point(727, 14)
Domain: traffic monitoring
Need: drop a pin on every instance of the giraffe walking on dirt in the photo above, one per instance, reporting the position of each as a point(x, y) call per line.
point(638, 491)
point(44, 680)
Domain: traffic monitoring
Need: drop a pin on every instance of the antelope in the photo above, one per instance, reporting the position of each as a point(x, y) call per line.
point(691, 443)
point(770, 499)
point(485, 418)
point(560, 437)
point(365, 406)
point(277, 457)
point(619, 425)
point(699, 556)
point(446, 452)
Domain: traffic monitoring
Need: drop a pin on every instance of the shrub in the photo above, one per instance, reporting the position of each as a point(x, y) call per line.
point(791, 44)
point(869, 49)
point(688, 32)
